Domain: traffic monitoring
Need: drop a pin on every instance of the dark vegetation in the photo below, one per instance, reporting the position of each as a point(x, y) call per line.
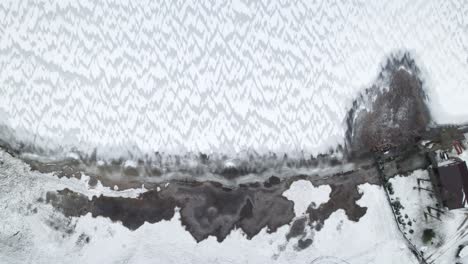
point(398, 116)
point(428, 235)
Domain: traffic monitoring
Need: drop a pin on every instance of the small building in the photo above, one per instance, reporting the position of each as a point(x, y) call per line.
point(451, 182)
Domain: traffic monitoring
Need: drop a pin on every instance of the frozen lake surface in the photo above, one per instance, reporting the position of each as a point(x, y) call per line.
point(140, 77)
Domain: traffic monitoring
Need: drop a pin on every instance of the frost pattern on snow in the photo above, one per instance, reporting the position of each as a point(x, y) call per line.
point(213, 76)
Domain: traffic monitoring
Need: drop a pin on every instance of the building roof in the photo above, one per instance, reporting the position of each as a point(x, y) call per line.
point(452, 183)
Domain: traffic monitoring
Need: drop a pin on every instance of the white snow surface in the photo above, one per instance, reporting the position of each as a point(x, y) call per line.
point(303, 193)
point(415, 203)
point(139, 76)
point(28, 237)
point(451, 231)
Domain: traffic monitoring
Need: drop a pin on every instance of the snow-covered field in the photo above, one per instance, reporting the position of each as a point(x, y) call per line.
point(32, 232)
point(140, 76)
point(450, 230)
point(414, 204)
point(303, 193)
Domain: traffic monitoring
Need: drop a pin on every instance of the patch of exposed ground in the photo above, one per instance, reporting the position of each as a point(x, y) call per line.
point(347, 198)
point(207, 209)
point(344, 195)
point(297, 228)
